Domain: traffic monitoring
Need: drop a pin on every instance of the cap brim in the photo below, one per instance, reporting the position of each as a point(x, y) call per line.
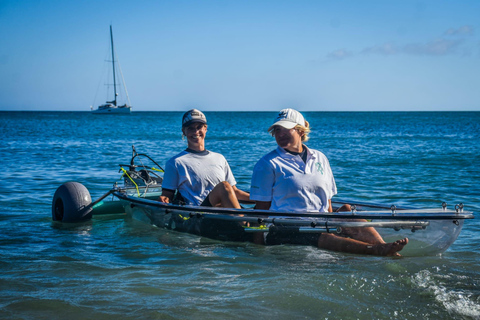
point(188, 123)
point(284, 123)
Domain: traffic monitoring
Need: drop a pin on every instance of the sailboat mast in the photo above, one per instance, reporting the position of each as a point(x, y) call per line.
point(113, 68)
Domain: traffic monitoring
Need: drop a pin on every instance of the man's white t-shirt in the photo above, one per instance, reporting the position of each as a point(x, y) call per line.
point(196, 174)
point(292, 184)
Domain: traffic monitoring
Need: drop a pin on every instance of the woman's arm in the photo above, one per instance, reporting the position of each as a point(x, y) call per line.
point(241, 195)
point(263, 205)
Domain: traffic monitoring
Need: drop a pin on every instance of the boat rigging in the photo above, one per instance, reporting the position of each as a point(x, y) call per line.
point(112, 106)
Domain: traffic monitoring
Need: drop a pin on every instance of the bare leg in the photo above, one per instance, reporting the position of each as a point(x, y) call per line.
point(367, 234)
point(224, 196)
point(364, 234)
point(336, 243)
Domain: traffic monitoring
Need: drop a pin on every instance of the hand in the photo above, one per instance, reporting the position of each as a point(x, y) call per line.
point(164, 199)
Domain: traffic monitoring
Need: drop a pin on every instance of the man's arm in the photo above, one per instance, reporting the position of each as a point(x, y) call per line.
point(167, 195)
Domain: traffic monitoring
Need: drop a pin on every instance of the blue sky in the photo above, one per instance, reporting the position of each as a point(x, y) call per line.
point(243, 55)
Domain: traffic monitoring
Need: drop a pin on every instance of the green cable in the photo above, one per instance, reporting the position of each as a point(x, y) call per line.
point(126, 173)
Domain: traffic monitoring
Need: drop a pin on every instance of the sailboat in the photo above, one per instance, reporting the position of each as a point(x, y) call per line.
point(112, 106)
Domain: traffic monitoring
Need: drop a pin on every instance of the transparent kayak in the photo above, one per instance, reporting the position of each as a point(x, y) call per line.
point(430, 231)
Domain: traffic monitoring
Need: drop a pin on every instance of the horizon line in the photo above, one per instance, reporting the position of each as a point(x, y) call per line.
point(249, 111)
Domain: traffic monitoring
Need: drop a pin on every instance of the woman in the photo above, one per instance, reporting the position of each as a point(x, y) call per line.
point(295, 178)
point(201, 177)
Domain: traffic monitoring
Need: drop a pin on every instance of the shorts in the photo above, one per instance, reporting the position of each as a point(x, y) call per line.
point(206, 202)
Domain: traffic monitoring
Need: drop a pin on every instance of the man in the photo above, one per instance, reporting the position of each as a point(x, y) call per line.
point(202, 177)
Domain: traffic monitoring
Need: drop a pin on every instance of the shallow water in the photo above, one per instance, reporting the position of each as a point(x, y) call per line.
point(118, 267)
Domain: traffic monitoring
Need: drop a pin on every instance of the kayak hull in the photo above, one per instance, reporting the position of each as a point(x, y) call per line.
point(426, 236)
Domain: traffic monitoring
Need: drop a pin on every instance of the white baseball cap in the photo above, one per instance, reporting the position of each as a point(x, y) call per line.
point(288, 118)
point(192, 116)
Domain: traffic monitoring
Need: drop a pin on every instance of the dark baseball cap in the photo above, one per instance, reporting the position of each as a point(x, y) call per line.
point(192, 116)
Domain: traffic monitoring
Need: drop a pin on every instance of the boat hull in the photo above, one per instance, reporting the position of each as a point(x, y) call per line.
point(113, 110)
point(426, 237)
point(433, 240)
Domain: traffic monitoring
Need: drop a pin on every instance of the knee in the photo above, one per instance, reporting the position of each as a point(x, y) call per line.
point(324, 239)
point(344, 208)
point(225, 187)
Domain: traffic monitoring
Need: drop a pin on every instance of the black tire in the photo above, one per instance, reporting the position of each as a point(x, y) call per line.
point(71, 203)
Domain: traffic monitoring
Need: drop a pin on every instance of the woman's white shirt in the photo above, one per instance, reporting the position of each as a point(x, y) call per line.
point(291, 184)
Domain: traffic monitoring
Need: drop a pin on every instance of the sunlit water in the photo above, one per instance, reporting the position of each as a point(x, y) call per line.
point(111, 268)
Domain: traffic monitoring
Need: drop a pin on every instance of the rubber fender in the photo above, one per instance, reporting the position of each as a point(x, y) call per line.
point(71, 203)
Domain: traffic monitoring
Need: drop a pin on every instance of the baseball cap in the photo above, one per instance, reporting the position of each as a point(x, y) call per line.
point(192, 116)
point(288, 118)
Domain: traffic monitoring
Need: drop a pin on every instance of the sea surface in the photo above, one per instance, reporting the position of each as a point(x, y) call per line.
point(120, 268)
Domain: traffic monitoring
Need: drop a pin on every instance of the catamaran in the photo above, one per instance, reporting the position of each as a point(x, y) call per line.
point(113, 106)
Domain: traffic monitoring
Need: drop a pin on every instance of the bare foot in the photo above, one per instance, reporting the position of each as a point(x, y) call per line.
point(389, 249)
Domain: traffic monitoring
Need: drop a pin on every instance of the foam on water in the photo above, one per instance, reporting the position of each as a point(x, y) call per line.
point(456, 302)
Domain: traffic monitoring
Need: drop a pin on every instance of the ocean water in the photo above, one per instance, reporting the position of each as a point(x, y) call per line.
point(117, 267)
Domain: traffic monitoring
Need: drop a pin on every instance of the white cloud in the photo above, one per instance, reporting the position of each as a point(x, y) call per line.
point(385, 49)
point(465, 30)
point(339, 54)
point(438, 47)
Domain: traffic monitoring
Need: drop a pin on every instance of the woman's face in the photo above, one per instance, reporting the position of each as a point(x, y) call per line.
point(287, 138)
point(195, 132)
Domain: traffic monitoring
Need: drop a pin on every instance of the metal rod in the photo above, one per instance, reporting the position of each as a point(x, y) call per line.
point(422, 214)
point(322, 223)
point(100, 199)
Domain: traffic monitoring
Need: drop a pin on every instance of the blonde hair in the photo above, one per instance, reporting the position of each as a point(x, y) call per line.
point(306, 130)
